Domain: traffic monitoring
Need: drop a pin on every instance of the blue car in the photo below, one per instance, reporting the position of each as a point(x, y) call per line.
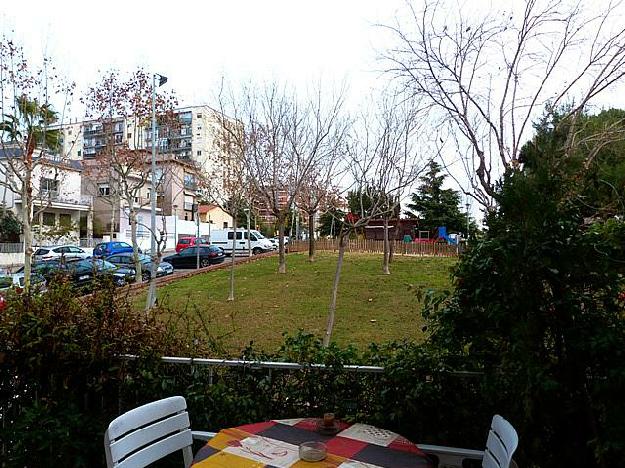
point(105, 249)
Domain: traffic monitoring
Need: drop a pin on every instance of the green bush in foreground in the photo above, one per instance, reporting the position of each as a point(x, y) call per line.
point(63, 379)
point(537, 307)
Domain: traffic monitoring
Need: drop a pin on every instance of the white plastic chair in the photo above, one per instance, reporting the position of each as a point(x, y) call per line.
point(150, 432)
point(501, 443)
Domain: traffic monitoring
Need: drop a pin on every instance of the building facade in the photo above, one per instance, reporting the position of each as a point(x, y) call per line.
point(185, 151)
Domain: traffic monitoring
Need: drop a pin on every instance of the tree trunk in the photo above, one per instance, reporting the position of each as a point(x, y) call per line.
point(234, 246)
point(151, 299)
point(391, 251)
point(27, 208)
point(385, 263)
point(335, 289)
point(282, 256)
point(90, 225)
point(311, 236)
point(113, 206)
point(132, 215)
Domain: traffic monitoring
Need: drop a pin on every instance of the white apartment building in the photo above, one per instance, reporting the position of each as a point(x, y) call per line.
point(191, 143)
point(58, 202)
point(192, 139)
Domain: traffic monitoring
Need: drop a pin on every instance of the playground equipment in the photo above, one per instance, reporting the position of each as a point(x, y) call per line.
point(441, 236)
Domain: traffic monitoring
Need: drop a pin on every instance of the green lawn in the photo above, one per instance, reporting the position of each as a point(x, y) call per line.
point(371, 307)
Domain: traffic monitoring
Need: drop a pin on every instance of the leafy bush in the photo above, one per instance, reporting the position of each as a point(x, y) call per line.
point(60, 372)
point(63, 379)
point(537, 308)
point(10, 227)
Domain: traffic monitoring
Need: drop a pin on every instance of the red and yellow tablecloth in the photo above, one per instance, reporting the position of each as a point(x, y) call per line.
point(276, 444)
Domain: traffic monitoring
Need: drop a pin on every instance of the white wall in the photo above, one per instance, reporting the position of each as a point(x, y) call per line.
point(175, 228)
point(10, 259)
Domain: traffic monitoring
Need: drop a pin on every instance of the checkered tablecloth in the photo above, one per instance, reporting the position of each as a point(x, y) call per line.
point(276, 444)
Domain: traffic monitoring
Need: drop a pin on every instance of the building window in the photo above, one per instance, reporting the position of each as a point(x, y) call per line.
point(79, 153)
point(129, 136)
point(49, 187)
point(118, 138)
point(199, 152)
point(104, 190)
point(65, 219)
point(48, 219)
point(225, 224)
point(199, 116)
point(189, 181)
point(69, 131)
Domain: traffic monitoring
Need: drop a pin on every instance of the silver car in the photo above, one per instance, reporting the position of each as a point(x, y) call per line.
point(56, 252)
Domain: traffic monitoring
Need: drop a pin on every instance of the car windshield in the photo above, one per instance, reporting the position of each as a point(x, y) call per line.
point(104, 265)
point(258, 235)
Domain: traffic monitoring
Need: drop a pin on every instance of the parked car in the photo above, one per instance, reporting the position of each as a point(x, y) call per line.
point(186, 242)
point(81, 273)
point(276, 240)
point(15, 282)
point(126, 260)
point(106, 249)
point(258, 243)
point(60, 251)
point(187, 258)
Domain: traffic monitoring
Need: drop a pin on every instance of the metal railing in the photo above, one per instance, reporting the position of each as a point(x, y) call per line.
point(377, 246)
point(11, 247)
point(270, 366)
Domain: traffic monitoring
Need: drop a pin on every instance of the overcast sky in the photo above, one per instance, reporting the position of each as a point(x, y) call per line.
point(195, 43)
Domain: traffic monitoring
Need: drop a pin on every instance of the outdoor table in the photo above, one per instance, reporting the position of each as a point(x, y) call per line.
point(276, 444)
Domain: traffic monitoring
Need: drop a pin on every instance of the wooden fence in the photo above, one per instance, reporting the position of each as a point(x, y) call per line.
point(377, 246)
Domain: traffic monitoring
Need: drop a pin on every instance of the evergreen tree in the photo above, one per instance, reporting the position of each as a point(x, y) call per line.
point(436, 206)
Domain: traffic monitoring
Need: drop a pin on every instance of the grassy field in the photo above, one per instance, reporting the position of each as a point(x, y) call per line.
point(371, 307)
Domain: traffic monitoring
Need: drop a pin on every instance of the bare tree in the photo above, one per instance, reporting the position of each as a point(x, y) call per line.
point(226, 183)
point(487, 77)
point(382, 166)
point(316, 195)
point(29, 134)
point(121, 161)
point(284, 141)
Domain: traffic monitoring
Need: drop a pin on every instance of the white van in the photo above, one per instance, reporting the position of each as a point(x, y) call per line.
point(258, 242)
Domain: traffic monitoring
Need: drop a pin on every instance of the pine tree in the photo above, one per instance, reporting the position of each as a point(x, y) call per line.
point(436, 206)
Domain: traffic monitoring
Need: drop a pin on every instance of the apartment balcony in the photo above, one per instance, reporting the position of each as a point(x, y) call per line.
point(93, 132)
point(55, 199)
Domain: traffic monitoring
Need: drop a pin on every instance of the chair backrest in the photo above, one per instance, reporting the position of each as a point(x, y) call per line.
point(148, 433)
point(501, 443)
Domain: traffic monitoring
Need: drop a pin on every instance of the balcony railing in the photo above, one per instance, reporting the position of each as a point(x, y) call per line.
point(51, 194)
point(55, 197)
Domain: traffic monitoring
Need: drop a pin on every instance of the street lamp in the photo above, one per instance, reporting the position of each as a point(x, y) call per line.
point(161, 81)
point(151, 299)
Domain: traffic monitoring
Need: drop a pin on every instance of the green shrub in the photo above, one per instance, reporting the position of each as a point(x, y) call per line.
point(60, 371)
point(536, 307)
